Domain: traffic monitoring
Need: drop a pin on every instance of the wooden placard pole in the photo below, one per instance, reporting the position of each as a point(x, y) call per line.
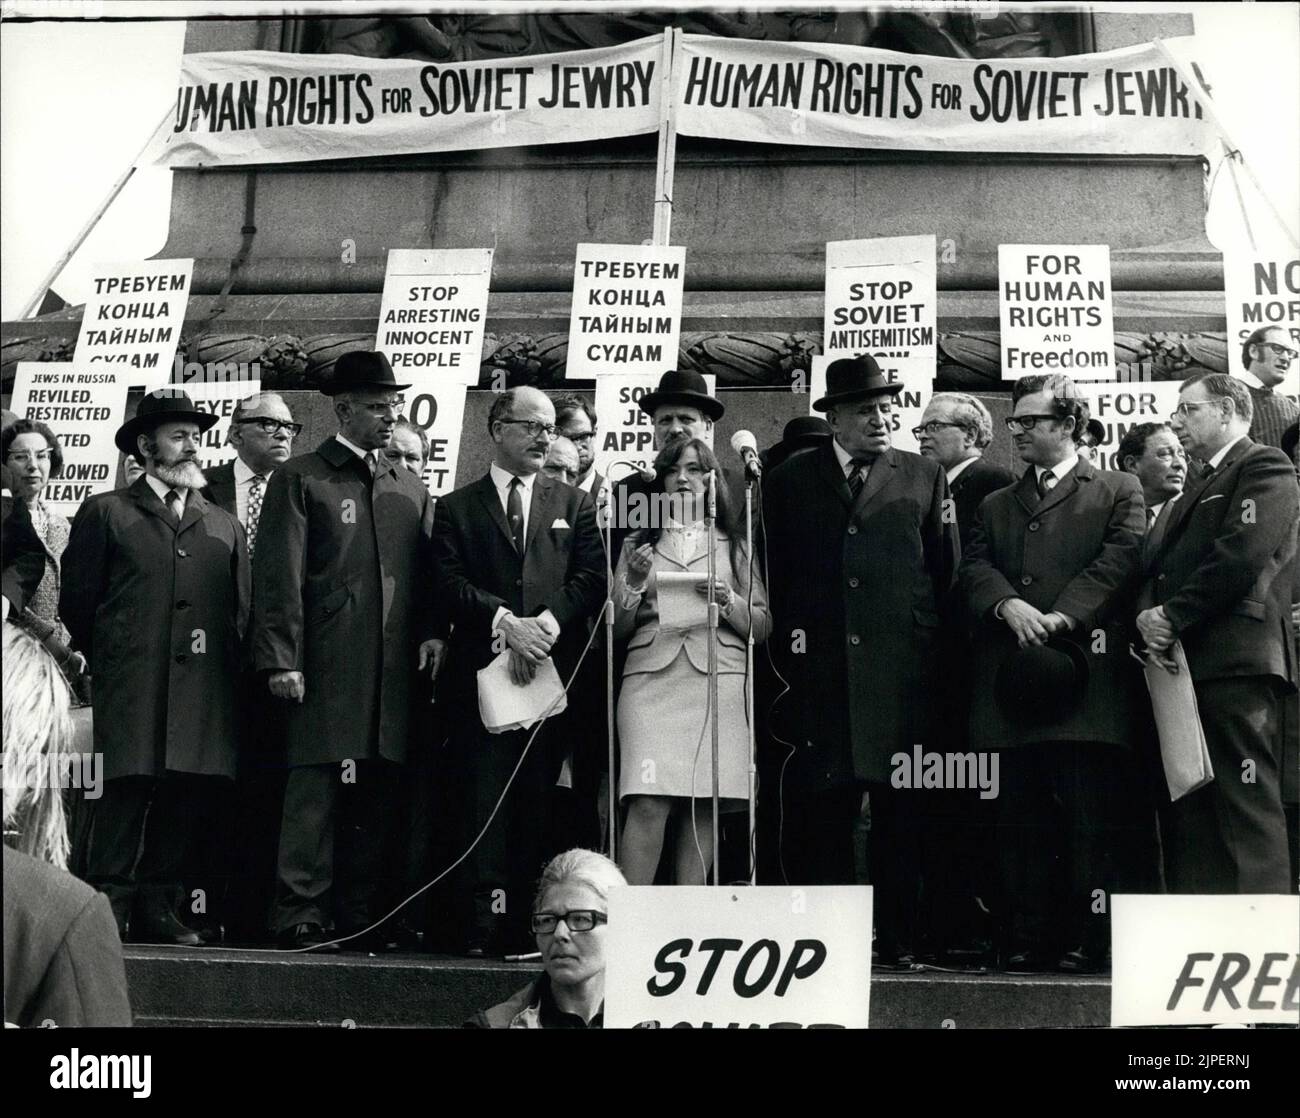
point(667, 154)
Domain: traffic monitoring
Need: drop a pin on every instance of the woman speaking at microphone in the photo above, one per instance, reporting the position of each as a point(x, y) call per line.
point(666, 776)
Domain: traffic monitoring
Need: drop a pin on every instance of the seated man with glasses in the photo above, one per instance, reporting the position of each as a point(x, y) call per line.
point(569, 922)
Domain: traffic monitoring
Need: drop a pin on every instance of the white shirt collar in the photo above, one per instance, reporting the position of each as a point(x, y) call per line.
point(1060, 469)
point(1223, 453)
point(587, 484)
point(842, 456)
point(244, 473)
point(354, 448)
point(1252, 380)
point(162, 489)
point(961, 466)
point(502, 478)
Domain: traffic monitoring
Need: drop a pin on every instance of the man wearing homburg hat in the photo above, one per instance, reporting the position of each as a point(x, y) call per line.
point(342, 622)
point(1053, 560)
point(862, 558)
point(155, 594)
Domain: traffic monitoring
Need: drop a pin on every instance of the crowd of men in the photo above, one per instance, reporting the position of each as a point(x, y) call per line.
point(284, 659)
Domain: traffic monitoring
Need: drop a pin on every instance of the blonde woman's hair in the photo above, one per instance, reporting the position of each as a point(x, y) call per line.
point(582, 867)
point(37, 728)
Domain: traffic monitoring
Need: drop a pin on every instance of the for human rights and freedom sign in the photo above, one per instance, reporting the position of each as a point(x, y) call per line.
point(1262, 290)
point(1119, 406)
point(236, 107)
point(1121, 102)
point(761, 957)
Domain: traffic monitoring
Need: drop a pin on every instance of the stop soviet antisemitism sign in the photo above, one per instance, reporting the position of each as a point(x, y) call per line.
point(747, 958)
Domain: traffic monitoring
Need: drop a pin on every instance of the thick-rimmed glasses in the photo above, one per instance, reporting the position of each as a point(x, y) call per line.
point(271, 426)
point(1025, 422)
point(576, 920)
point(533, 428)
point(585, 437)
point(1282, 351)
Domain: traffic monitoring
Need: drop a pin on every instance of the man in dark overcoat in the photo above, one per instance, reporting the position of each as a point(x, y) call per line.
point(861, 558)
point(155, 594)
point(1057, 556)
point(342, 622)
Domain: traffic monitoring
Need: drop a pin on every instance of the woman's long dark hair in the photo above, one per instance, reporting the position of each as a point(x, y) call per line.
point(726, 521)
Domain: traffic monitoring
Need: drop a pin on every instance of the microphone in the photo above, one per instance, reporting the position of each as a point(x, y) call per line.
point(647, 475)
point(744, 444)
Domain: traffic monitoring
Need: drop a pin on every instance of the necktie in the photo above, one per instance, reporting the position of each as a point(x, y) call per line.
point(858, 478)
point(515, 513)
point(173, 500)
point(254, 510)
point(1151, 518)
point(372, 462)
point(1046, 483)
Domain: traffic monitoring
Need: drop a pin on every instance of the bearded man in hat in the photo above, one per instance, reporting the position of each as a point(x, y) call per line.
point(1052, 565)
point(342, 622)
point(862, 558)
point(155, 594)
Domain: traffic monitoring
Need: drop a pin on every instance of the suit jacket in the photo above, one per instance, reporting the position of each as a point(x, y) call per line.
point(1223, 566)
point(160, 613)
point(652, 649)
point(856, 588)
point(478, 570)
point(970, 487)
point(63, 958)
point(1076, 551)
point(220, 489)
point(343, 592)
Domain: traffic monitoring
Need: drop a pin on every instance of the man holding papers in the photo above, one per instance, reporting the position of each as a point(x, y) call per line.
point(1219, 571)
point(519, 569)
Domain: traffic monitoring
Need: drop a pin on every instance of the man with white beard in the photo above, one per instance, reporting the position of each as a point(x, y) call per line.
point(155, 592)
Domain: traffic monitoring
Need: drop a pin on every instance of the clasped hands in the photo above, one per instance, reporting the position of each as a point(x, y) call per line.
point(529, 640)
point(1030, 625)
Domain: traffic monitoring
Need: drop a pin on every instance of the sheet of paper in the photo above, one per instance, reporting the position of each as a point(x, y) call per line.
point(680, 606)
point(1178, 724)
point(504, 705)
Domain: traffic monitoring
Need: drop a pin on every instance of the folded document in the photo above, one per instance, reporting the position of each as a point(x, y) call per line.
point(1178, 725)
point(505, 705)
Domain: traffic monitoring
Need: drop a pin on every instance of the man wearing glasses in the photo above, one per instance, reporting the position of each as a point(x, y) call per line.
point(343, 620)
point(519, 570)
point(576, 420)
point(1267, 356)
point(1054, 558)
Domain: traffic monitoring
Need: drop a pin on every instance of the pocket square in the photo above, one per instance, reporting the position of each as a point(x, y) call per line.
point(560, 523)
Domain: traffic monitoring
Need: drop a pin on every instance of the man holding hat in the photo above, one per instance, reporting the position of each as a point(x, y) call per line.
point(342, 622)
point(1051, 563)
point(862, 558)
point(155, 594)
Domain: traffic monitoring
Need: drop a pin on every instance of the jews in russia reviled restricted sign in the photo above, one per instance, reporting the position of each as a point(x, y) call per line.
point(1262, 290)
point(432, 315)
point(134, 317)
point(1055, 310)
point(774, 957)
point(881, 300)
point(84, 407)
point(627, 310)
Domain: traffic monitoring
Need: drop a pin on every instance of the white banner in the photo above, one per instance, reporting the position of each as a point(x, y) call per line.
point(627, 434)
point(439, 411)
point(1262, 291)
point(1119, 407)
point(626, 315)
point(881, 299)
point(1204, 960)
point(431, 317)
point(1055, 310)
point(236, 107)
point(1121, 102)
point(134, 316)
point(766, 957)
point(84, 408)
point(219, 398)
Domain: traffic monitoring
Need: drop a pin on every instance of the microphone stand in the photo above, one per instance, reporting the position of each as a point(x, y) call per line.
point(749, 679)
point(709, 520)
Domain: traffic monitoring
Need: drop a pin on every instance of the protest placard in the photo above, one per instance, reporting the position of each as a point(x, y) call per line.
point(84, 408)
point(439, 411)
point(1055, 311)
point(1204, 960)
point(758, 957)
point(1120, 406)
point(881, 300)
point(627, 310)
point(831, 95)
point(219, 398)
point(1262, 290)
point(431, 317)
point(236, 107)
point(134, 316)
point(627, 433)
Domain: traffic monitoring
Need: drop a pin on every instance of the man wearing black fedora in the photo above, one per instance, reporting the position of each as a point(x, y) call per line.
point(681, 408)
point(803, 432)
point(1052, 563)
point(342, 622)
point(862, 558)
point(155, 594)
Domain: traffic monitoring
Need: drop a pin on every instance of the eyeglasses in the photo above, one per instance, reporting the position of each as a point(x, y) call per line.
point(393, 403)
point(1025, 422)
point(576, 920)
point(533, 428)
point(29, 455)
point(931, 428)
point(1185, 409)
point(272, 426)
point(581, 438)
point(1282, 351)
